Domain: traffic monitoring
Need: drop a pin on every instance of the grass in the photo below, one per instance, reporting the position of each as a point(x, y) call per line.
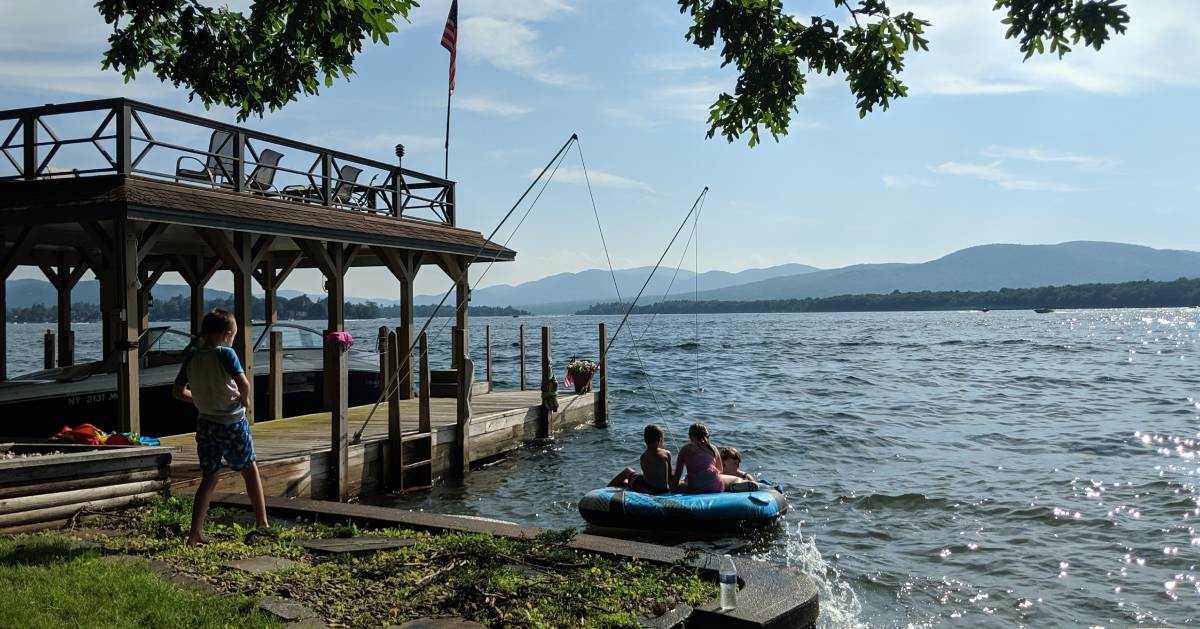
point(498, 581)
point(46, 582)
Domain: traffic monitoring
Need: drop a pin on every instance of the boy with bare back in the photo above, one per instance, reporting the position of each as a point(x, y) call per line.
point(656, 466)
point(212, 378)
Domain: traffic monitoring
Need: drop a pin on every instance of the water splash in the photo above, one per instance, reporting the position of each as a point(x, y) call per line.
point(840, 607)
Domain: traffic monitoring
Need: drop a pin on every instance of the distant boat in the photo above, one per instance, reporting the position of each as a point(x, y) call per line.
point(1043, 310)
point(985, 310)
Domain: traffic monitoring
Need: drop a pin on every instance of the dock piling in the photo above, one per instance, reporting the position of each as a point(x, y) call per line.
point(602, 396)
point(547, 374)
point(395, 472)
point(522, 356)
point(423, 410)
point(48, 349)
point(487, 341)
point(275, 380)
point(462, 441)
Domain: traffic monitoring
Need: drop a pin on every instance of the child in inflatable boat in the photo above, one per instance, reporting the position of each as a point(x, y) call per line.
point(656, 466)
point(702, 461)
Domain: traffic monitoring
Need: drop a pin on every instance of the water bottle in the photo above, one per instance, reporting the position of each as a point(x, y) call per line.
point(728, 581)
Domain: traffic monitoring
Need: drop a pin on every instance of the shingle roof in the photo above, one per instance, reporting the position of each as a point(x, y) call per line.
point(97, 198)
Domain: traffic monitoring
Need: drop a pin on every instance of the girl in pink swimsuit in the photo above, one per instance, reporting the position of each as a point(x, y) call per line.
point(703, 463)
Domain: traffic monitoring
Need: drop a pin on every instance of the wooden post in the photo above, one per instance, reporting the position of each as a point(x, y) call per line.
point(395, 470)
point(243, 300)
point(269, 277)
point(333, 258)
point(64, 277)
point(546, 373)
point(405, 341)
point(545, 429)
point(48, 349)
point(335, 362)
point(9, 258)
point(487, 340)
point(404, 266)
point(381, 345)
point(128, 381)
point(196, 271)
point(522, 356)
point(275, 381)
point(601, 412)
point(423, 402)
point(461, 463)
point(462, 296)
point(66, 350)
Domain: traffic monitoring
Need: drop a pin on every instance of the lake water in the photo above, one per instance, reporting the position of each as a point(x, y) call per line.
point(959, 469)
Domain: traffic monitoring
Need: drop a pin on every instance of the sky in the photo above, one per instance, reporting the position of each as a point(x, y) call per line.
point(987, 148)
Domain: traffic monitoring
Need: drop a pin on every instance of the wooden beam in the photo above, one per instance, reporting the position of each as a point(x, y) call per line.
point(487, 343)
point(221, 244)
point(149, 238)
point(8, 262)
point(462, 297)
point(317, 255)
point(13, 254)
point(262, 246)
point(99, 237)
point(404, 265)
point(522, 356)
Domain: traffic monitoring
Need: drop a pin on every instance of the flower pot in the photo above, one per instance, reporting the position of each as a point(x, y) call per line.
point(583, 381)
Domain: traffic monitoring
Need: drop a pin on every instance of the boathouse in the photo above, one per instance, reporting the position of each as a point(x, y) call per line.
point(130, 191)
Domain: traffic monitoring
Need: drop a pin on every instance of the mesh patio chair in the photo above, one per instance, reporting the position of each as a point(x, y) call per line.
point(262, 178)
point(342, 193)
point(218, 165)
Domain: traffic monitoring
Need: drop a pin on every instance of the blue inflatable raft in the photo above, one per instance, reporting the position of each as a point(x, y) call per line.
point(728, 512)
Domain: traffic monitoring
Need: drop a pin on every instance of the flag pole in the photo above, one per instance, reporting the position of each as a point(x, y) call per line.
point(446, 166)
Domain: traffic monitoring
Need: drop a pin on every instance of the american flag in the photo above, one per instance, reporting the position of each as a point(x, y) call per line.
point(450, 38)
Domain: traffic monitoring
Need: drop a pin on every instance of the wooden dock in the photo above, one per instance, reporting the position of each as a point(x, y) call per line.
point(294, 452)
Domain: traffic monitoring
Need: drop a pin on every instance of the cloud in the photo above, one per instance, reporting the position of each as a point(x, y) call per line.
point(657, 105)
point(78, 77)
point(512, 46)
point(969, 54)
point(484, 105)
point(994, 174)
point(1042, 155)
point(597, 178)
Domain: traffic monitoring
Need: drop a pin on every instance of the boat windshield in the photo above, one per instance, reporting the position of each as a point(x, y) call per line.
point(294, 336)
point(163, 339)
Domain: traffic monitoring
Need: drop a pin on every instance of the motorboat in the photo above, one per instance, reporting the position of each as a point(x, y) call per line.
point(38, 404)
point(1043, 310)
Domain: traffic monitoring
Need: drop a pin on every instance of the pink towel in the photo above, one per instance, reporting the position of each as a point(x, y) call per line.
point(341, 338)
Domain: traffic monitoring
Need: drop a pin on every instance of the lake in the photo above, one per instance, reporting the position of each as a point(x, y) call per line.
point(944, 468)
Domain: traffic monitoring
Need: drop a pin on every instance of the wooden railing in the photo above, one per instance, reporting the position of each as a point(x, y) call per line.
point(126, 137)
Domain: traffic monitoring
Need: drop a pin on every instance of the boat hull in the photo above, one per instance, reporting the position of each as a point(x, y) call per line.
point(162, 414)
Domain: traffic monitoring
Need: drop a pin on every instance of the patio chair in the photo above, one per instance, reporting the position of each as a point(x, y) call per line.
point(262, 178)
point(342, 193)
point(218, 165)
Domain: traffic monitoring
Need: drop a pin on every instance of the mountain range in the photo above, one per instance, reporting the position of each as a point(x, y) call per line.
point(984, 267)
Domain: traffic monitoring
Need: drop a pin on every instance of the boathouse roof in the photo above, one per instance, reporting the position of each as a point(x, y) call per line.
point(65, 165)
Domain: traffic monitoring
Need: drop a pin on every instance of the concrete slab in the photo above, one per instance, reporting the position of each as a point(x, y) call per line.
point(260, 565)
point(363, 545)
point(440, 623)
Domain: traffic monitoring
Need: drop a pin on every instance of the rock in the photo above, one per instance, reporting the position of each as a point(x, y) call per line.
point(307, 623)
point(285, 608)
point(356, 545)
point(261, 564)
point(440, 623)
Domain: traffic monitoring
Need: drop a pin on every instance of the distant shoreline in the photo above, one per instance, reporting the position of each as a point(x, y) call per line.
point(1140, 294)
